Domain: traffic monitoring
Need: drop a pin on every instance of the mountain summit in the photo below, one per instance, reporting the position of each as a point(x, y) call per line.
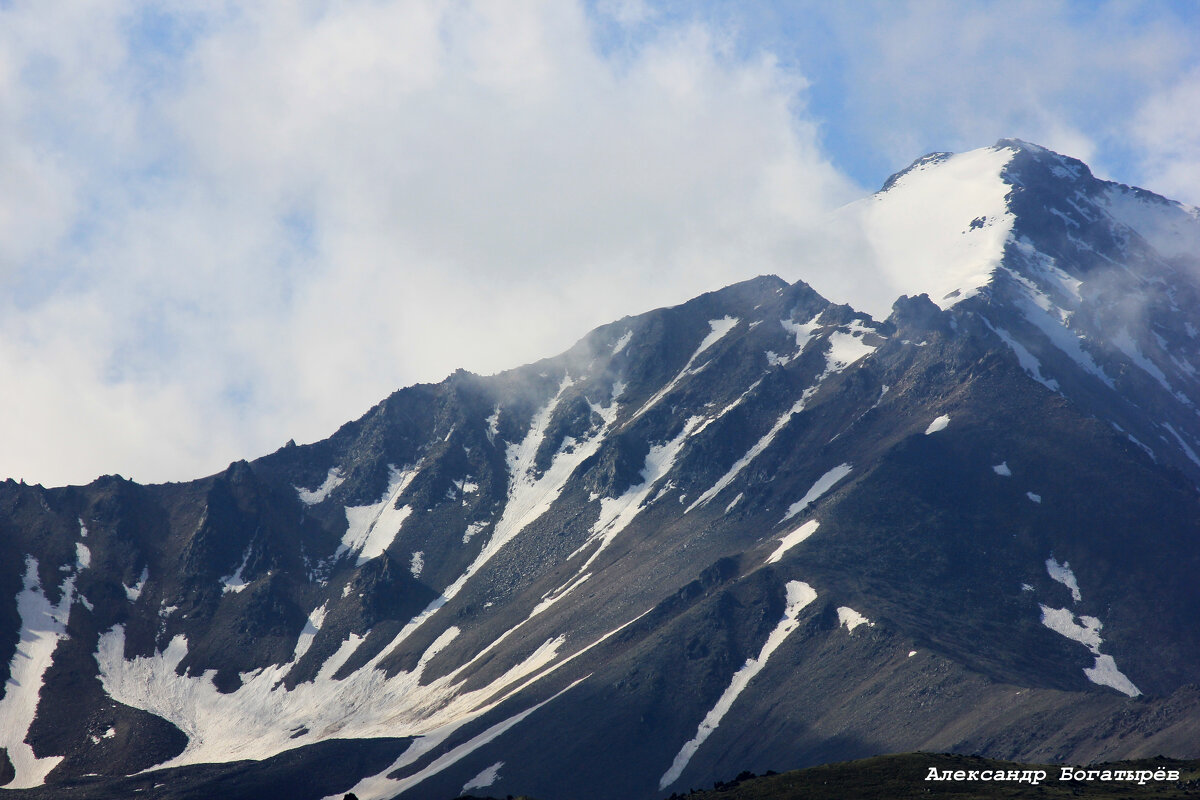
point(758, 530)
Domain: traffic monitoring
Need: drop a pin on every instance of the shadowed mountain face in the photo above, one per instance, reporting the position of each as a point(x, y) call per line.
point(755, 531)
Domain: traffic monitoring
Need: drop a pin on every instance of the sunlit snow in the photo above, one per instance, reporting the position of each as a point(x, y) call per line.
point(1002, 469)
point(42, 626)
point(799, 595)
point(790, 540)
point(852, 619)
point(235, 582)
point(822, 485)
point(371, 529)
point(940, 230)
point(938, 424)
point(718, 329)
point(333, 480)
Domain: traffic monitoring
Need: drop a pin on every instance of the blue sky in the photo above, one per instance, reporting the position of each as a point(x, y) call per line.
point(224, 225)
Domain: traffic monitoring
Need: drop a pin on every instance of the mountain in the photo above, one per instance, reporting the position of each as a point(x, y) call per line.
point(759, 530)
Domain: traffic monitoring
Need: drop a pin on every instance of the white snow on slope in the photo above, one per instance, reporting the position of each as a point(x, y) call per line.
point(42, 626)
point(624, 340)
point(311, 626)
point(83, 556)
point(1086, 631)
point(938, 424)
point(1049, 318)
point(939, 229)
point(235, 582)
point(1062, 621)
point(1064, 575)
point(799, 595)
point(484, 779)
point(790, 540)
point(529, 496)
point(852, 619)
point(823, 485)
point(844, 350)
point(258, 720)
point(749, 456)
point(135, 591)
point(1037, 498)
point(846, 347)
point(417, 564)
point(1026, 359)
point(1105, 673)
point(1002, 469)
point(379, 787)
point(617, 512)
point(719, 327)
point(311, 497)
point(803, 331)
point(371, 529)
point(1123, 341)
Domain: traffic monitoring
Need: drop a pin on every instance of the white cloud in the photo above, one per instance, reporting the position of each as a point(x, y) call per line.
point(1169, 141)
point(254, 221)
point(955, 76)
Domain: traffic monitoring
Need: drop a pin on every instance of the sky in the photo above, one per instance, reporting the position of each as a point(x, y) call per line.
point(224, 225)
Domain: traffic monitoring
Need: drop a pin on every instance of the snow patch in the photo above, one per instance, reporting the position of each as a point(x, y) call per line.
point(493, 425)
point(822, 485)
point(734, 502)
point(622, 342)
point(803, 331)
point(1002, 469)
point(83, 556)
point(472, 529)
point(485, 778)
point(135, 591)
point(790, 540)
point(333, 480)
point(1086, 631)
point(311, 626)
point(371, 529)
point(1037, 498)
point(852, 619)
point(235, 582)
point(719, 327)
point(417, 564)
point(846, 348)
point(42, 627)
point(938, 424)
point(1064, 575)
point(749, 456)
point(799, 595)
point(617, 513)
